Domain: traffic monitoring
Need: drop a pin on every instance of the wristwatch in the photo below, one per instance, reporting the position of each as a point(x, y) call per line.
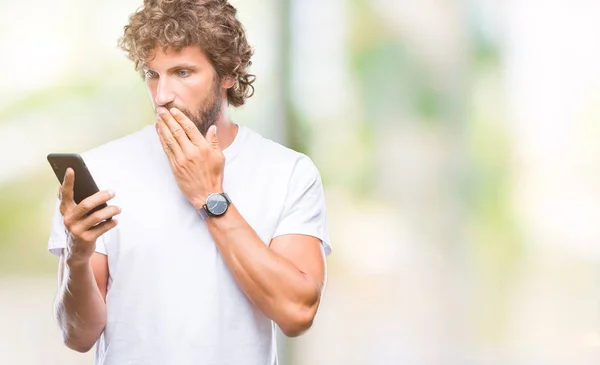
point(216, 205)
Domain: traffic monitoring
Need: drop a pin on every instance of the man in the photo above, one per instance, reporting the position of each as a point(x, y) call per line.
point(218, 234)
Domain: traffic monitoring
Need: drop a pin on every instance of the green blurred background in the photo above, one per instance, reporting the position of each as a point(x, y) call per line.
point(458, 142)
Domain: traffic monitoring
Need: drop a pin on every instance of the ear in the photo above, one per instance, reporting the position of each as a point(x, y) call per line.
point(228, 82)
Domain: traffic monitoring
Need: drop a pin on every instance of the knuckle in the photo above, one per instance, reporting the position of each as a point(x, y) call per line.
point(181, 161)
point(106, 196)
point(68, 221)
point(96, 216)
point(85, 205)
point(192, 157)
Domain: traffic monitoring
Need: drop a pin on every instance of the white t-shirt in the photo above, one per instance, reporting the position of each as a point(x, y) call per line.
point(171, 299)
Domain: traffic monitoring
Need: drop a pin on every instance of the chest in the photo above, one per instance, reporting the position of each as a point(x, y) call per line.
point(159, 228)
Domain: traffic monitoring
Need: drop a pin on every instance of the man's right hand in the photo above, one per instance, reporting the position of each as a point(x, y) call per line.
point(84, 229)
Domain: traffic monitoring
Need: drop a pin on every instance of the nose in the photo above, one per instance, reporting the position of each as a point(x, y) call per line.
point(164, 94)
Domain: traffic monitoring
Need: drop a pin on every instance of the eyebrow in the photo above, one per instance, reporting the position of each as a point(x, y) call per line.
point(180, 66)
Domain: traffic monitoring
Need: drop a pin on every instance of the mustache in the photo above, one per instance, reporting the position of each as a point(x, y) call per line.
point(171, 105)
point(197, 118)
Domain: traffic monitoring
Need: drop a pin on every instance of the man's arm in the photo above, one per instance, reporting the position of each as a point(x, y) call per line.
point(80, 307)
point(284, 280)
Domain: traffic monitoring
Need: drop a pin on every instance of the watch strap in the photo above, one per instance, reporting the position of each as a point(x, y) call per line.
point(203, 212)
point(226, 198)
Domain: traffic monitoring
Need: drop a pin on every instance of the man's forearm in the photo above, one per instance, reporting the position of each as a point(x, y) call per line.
point(270, 281)
point(80, 308)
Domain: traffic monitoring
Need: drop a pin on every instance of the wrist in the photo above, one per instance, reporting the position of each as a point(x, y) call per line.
point(75, 258)
point(75, 262)
point(215, 206)
point(199, 201)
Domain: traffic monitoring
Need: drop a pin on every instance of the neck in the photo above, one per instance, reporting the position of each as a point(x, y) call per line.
point(226, 128)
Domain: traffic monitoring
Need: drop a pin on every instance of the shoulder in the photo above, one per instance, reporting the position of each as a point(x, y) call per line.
point(277, 156)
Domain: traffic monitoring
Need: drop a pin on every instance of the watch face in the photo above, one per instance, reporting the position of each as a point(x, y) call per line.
point(216, 204)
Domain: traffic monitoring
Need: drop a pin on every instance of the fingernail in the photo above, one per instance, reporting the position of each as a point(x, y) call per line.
point(173, 111)
point(160, 110)
point(111, 193)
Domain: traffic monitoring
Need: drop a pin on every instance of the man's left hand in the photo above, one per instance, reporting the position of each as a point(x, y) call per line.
point(197, 162)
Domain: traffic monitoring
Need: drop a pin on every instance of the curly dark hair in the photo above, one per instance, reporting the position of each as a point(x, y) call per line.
point(210, 24)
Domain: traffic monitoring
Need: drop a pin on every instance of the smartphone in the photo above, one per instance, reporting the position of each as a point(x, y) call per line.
point(85, 185)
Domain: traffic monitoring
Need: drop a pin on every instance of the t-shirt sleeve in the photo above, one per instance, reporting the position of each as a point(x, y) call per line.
point(58, 235)
point(304, 211)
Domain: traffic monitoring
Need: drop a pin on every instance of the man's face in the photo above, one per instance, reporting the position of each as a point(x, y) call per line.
point(185, 80)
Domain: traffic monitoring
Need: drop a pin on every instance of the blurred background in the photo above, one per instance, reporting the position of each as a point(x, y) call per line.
point(458, 141)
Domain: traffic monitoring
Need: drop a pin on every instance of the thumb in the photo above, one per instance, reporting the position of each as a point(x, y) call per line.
point(212, 137)
point(66, 189)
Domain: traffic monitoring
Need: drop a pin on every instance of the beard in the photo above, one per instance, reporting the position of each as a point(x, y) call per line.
point(207, 113)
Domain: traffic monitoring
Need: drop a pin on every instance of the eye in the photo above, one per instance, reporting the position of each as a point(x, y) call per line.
point(183, 73)
point(150, 75)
